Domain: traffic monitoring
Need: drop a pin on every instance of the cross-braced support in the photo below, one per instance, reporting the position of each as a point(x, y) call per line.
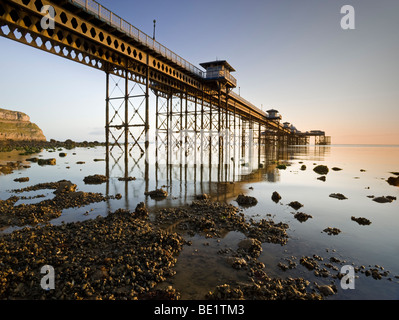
point(127, 113)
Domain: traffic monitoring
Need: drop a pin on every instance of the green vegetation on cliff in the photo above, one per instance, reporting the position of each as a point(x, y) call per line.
point(16, 126)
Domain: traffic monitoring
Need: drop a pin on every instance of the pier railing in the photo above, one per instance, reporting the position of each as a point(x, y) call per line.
point(122, 25)
point(221, 74)
point(238, 97)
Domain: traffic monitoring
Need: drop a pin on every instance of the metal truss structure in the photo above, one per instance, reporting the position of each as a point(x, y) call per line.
point(197, 120)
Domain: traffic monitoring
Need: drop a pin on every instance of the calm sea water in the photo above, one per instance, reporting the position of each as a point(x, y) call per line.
point(365, 170)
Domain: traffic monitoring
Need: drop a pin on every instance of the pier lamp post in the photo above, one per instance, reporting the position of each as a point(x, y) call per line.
point(153, 36)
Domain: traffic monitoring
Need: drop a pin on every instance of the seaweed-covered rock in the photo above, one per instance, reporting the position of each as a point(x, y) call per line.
point(236, 262)
point(243, 200)
point(45, 162)
point(327, 290)
point(338, 196)
point(393, 181)
point(332, 231)
point(309, 263)
point(65, 186)
point(251, 246)
point(203, 196)
point(276, 197)
point(22, 179)
point(113, 257)
point(361, 220)
point(295, 205)
point(157, 194)
point(141, 210)
point(95, 179)
point(302, 217)
point(321, 169)
point(386, 199)
point(126, 178)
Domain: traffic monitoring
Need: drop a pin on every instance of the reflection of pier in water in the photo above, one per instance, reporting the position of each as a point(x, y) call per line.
point(185, 175)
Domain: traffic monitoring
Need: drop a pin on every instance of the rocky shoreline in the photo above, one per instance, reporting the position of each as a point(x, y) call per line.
point(117, 257)
point(125, 255)
point(29, 147)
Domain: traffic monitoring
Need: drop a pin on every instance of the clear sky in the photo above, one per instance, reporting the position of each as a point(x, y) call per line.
point(291, 55)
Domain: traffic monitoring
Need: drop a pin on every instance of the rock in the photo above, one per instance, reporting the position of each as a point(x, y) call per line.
point(157, 194)
point(336, 169)
point(141, 210)
point(8, 115)
point(303, 167)
point(23, 179)
point(243, 200)
point(126, 179)
point(251, 246)
point(16, 126)
point(326, 290)
point(203, 196)
point(282, 266)
point(386, 199)
point(295, 205)
point(323, 178)
point(361, 221)
point(302, 217)
point(65, 187)
point(320, 169)
point(113, 257)
point(44, 211)
point(393, 181)
point(332, 231)
point(281, 166)
point(308, 262)
point(225, 292)
point(338, 196)
point(62, 154)
point(95, 179)
point(236, 262)
point(276, 197)
point(45, 162)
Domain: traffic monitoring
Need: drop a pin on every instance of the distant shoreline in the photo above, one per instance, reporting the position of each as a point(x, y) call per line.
point(10, 145)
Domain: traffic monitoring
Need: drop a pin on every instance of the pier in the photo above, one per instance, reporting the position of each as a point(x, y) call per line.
point(196, 108)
